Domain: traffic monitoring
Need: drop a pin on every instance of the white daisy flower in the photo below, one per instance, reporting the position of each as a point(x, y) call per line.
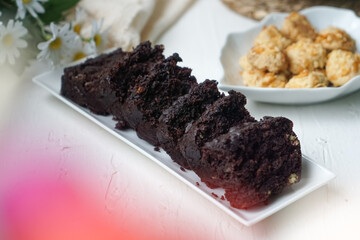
point(32, 6)
point(79, 51)
point(58, 46)
point(99, 38)
point(79, 21)
point(11, 41)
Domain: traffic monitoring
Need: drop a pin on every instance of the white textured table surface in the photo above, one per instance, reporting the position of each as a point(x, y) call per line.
point(328, 133)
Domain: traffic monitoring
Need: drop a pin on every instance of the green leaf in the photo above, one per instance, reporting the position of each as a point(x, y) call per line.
point(7, 4)
point(54, 10)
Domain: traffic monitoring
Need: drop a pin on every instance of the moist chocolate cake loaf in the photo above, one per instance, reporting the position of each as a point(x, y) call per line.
point(253, 161)
point(92, 83)
point(184, 111)
point(139, 63)
point(153, 93)
point(197, 126)
point(223, 114)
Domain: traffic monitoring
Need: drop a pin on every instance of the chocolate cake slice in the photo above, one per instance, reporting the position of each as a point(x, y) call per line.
point(92, 83)
point(139, 63)
point(253, 161)
point(101, 84)
point(223, 114)
point(153, 93)
point(184, 111)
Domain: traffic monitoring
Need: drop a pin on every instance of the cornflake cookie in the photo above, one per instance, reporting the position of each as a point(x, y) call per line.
point(306, 79)
point(271, 36)
point(257, 78)
point(342, 66)
point(244, 63)
point(333, 38)
point(299, 54)
point(297, 26)
point(267, 58)
point(305, 55)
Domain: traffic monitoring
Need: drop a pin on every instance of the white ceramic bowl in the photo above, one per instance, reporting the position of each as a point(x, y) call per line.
point(238, 44)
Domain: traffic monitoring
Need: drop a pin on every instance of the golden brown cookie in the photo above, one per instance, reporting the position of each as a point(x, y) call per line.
point(333, 38)
point(270, 35)
point(306, 79)
point(342, 66)
point(305, 55)
point(267, 58)
point(244, 63)
point(257, 78)
point(297, 26)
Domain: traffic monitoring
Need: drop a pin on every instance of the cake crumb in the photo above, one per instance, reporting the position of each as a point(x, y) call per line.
point(214, 195)
point(222, 197)
point(197, 184)
point(157, 148)
point(182, 169)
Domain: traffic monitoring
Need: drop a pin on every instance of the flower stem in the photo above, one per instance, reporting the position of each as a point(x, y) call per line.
point(45, 35)
point(86, 39)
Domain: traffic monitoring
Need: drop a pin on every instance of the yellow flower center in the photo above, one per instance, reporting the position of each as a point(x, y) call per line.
point(77, 28)
point(56, 44)
point(78, 56)
point(8, 40)
point(26, 1)
point(97, 39)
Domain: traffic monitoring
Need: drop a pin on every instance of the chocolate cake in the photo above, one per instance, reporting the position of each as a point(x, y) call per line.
point(101, 84)
point(92, 83)
point(139, 63)
point(200, 129)
point(253, 161)
point(153, 93)
point(223, 114)
point(184, 111)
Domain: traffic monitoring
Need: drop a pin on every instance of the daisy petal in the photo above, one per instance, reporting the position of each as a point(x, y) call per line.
point(2, 58)
point(31, 11)
point(11, 59)
point(43, 45)
point(21, 43)
point(38, 7)
point(10, 24)
point(16, 52)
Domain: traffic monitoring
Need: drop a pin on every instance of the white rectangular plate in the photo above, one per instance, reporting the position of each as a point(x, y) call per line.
point(313, 175)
